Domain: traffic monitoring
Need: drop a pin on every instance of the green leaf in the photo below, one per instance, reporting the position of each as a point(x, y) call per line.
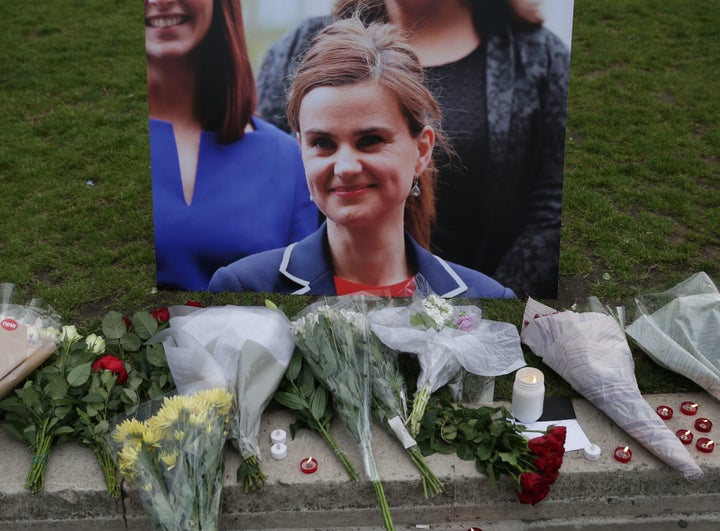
point(64, 430)
point(130, 342)
point(144, 324)
point(102, 427)
point(155, 354)
point(113, 325)
point(293, 369)
point(13, 404)
point(57, 387)
point(79, 375)
point(131, 394)
point(465, 453)
point(91, 411)
point(30, 397)
point(62, 412)
point(318, 402)
point(306, 382)
point(290, 400)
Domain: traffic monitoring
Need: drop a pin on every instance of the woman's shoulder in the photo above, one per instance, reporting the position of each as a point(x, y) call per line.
point(257, 272)
point(481, 285)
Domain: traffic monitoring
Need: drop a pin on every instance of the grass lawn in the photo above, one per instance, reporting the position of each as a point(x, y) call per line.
point(642, 180)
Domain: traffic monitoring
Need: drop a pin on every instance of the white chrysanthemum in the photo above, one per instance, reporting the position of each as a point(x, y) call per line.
point(438, 309)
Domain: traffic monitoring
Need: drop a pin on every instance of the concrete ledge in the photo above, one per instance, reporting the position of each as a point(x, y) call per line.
point(593, 494)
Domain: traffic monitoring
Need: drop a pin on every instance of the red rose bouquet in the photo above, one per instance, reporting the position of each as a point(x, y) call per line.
point(489, 436)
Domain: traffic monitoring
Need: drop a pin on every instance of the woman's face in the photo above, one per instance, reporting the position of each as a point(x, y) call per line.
point(174, 28)
point(360, 158)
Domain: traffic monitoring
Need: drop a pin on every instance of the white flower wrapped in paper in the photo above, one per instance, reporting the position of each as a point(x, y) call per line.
point(446, 339)
point(679, 329)
point(242, 349)
point(589, 350)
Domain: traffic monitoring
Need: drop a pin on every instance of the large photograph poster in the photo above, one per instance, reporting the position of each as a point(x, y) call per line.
point(228, 175)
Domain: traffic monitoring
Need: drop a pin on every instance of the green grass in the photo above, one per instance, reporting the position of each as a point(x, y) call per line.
point(642, 181)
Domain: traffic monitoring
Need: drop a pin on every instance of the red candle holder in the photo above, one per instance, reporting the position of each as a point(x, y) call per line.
point(665, 412)
point(623, 454)
point(689, 408)
point(685, 436)
point(309, 465)
point(703, 425)
point(705, 445)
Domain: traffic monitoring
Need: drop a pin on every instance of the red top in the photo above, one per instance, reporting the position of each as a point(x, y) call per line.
point(405, 288)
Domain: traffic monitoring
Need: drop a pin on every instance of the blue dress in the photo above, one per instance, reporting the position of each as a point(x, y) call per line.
point(249, 196)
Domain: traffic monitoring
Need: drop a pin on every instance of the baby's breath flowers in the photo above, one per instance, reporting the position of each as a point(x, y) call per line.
point(175, 458)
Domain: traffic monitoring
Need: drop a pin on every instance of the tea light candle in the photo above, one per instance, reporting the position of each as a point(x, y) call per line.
point(705, 445)
point(528, 395)
point(689, 408)
point(278, 451)
point(703, 425)
point(665, 412)
point(623, 454)
point(278, 436)
point(685, 436)
point(308, 465)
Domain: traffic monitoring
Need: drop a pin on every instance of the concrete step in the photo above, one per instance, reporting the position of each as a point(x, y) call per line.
point(602, 494)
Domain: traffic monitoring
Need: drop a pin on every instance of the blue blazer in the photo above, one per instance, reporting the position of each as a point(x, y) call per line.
point(305, 268)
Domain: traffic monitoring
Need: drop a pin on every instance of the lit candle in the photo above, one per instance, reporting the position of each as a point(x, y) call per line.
point(528, 395)
point(689, 408)
point(665, 412)
point(705, 445)
point(308, 465)
point(685, 436)
point(703, 425)
point(623, 454)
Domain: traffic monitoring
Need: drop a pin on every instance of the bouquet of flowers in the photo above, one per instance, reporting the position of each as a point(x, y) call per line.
point(29, 334)
point(679, 329)
point(245, 350)
point(334, 342)
point(446, 339)
point(590, 351)
point(175, 459)
point(488, 436)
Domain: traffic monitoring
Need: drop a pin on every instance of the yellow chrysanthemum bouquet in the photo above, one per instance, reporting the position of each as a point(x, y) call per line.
point(175, 459)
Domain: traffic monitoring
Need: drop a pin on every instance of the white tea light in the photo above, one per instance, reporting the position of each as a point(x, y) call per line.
point(528, 395)
point(278, 451)
point(278, 436)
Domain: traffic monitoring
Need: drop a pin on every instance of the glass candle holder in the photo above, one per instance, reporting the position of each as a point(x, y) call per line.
point(528, 395)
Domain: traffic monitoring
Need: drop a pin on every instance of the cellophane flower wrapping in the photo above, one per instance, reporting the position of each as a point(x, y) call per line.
point(680, 328)
point(244, 349)
point(446, 339)
point(29, 334)
point(175, 458)
point(334, 338)
point(589, 350)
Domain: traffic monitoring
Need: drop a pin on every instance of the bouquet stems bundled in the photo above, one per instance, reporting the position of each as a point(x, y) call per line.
point(334, 343)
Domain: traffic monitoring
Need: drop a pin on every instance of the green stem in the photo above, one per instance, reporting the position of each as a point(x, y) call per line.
point(35, 481)
point(354, 476)
point(431, 484)
point(384, 507)
point(418, 410)
point(108, 467)
point(249, 473)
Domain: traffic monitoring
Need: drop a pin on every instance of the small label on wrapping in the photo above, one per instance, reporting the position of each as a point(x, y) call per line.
point(401, 432)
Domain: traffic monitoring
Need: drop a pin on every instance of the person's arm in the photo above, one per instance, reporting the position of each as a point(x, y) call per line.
point(532, 263)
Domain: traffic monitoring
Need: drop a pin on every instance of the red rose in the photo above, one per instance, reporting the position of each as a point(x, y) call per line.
point(161, 315)
point(533, 488)
point(548, 467)
point(197, 304)
point(559, 433)
point(112, 364)
point(546, 445)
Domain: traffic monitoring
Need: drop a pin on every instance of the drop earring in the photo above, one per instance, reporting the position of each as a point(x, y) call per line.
point(415, 190)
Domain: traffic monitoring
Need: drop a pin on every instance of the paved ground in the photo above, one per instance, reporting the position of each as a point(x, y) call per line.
point(644, 494)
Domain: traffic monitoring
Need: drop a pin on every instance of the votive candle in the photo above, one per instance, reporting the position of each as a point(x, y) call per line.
point(308, 465)
point(623, 454)
point(703, 425)
point(705, 445)
point(685, 436)
point(689, 408)
point(665, 412)
point(528, 395)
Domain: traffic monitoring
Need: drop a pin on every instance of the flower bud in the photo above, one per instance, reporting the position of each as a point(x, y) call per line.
point(70, 334)
point(95, 344)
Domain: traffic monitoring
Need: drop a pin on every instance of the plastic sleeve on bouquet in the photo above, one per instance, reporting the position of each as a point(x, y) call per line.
point(590, 351)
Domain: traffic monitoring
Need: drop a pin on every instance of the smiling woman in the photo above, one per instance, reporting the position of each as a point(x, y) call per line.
point(367, 128)
point(214, 165)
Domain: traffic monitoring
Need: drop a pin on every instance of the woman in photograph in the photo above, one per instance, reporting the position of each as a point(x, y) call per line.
point(367, 127)
point(501, 80)
point(225, 183)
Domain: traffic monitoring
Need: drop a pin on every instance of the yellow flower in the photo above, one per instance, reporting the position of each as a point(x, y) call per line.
point(198, 418)
point(129, 429)
point(147, 487)
point(169, 458)
point(217, 398)
point(152, 435)
point(127, 459)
